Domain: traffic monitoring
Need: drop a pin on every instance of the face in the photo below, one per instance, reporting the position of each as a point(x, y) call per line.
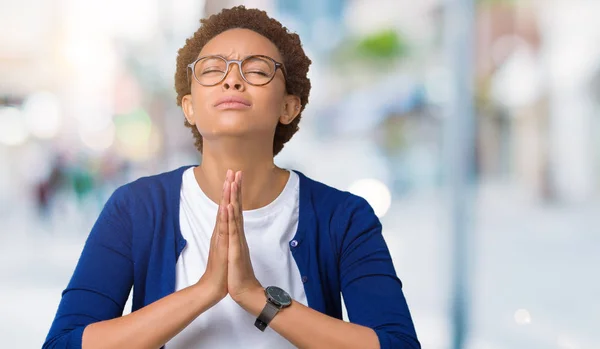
point(263, 106)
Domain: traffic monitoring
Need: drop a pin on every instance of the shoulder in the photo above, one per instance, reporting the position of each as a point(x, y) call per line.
point(339, 219)
point(164, 180)
point(159, 188)
point(326, 198)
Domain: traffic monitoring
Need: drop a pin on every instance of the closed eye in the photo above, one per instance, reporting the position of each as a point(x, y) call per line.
point(257, 72)
point(208, 71)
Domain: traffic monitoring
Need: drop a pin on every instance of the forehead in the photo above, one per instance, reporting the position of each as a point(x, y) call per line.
point(238, 43)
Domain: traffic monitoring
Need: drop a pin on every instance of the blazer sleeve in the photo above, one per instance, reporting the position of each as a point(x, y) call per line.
point(103, 277)
point(371, 289)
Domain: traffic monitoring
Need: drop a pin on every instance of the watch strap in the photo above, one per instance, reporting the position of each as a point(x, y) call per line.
point(265, 317)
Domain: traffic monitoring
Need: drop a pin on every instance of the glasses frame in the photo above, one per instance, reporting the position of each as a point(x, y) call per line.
point(239, 63)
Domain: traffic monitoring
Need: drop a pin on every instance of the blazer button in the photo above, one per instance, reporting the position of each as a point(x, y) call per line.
point(304, 279)
point(294, 243)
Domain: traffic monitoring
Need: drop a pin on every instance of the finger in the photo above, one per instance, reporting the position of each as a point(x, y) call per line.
point(227, 192)
point(234, 241)
point(222, 205)
point(238, 188)
point(233, 230)
point(239, 213)
point(235, 200)
point(232, 191)
point(223, 235)
point(229, 176)
point(214, 238)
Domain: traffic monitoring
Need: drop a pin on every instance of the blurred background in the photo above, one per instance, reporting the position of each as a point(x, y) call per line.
point(470, 126)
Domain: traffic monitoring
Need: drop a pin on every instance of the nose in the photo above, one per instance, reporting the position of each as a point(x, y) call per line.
point(233, 79)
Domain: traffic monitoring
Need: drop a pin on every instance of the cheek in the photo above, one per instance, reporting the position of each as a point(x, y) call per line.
point(271, 107)
point(200, 101)
point(270, 103)
point(202, 109)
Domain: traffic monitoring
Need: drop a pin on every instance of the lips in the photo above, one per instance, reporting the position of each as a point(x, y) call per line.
point(232, 102)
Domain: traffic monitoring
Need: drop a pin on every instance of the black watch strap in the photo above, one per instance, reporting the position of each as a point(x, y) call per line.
point(265, 317)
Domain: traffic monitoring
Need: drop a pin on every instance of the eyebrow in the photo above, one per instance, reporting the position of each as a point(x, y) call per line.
point(229, 57)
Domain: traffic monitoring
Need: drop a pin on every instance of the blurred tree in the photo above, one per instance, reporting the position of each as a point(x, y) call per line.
point(370, 56)
point(386, 44)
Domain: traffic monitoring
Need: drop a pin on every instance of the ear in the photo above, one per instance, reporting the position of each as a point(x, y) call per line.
point(290, 109)
point(188, 108)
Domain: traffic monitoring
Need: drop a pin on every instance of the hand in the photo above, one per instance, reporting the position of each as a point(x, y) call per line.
point(240, 274)
point(215, 276)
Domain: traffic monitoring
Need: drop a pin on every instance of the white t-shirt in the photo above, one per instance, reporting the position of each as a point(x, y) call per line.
point(269, 231)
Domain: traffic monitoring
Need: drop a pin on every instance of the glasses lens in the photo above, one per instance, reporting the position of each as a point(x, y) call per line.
point(210, 70)
point(258, 70)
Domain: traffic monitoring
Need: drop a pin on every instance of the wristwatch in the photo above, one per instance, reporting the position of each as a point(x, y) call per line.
point(277, 299)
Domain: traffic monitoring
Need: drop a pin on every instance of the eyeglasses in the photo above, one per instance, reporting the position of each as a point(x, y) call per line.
point(257, 70)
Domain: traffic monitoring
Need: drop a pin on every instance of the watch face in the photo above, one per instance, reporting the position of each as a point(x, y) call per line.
point(278, 295)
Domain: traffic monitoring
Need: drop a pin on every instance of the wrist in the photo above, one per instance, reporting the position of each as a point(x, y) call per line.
point(207, 289)
point(253, 300)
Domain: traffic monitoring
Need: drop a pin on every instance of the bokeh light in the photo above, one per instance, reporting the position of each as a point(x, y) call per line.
point(13, 130)
point(99, 139)
point(42, 112)
point(375, 192)
point(522, 317)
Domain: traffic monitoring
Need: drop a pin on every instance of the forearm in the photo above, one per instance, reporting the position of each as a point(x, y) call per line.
point(308, 328)
point(153, 325)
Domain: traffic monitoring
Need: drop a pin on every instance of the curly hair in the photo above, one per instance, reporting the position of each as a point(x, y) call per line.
point(294, 59)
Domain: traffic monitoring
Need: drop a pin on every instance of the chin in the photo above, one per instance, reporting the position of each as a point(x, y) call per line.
point(230, 122)
point(224, 129)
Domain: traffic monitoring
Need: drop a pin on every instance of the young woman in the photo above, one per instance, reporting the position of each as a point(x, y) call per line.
point(235, 252)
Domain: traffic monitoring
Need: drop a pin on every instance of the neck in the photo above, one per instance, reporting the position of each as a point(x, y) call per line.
point(262, 183)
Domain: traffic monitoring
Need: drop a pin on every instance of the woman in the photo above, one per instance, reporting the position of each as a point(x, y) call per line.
point(235, 252)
